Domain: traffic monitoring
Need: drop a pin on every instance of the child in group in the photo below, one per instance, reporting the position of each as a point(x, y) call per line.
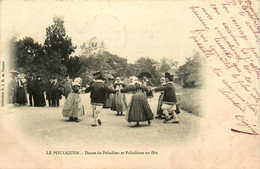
point(73, 107)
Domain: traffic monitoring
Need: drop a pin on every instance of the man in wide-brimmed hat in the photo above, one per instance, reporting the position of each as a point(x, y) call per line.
point(98, 94)
point(169, 101)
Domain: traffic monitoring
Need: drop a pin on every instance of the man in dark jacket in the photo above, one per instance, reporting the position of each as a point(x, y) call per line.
point(98, 95)
point(169, 98)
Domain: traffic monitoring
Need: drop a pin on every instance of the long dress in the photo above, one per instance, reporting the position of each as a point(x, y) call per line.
point(38, 92)
point(119, 102)
point(109, 97)
point(21, 94)
point(138, 110)
point(73, 106)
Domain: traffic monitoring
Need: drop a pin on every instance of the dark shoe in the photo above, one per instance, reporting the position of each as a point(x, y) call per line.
point(94, 125)
point(71, 119)
point(175, 121)
point(167, 120)
point(76, 120)
point(99, 122)
point(149, 122)
point(159, 117)
point(137, 124)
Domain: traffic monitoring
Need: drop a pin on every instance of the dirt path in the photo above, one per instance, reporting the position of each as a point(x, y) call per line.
point(47, 126)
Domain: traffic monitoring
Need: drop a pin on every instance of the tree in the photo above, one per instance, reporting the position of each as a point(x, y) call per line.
point(115, 64)
point(164, 65)
point(131, 70)
point(29, 55)
point(190, 72)
point(146, 64)
point(74, 66)
point(92, 56)
point(96, 58)
point(57, 40)
point(92, 48)
point(54, 65)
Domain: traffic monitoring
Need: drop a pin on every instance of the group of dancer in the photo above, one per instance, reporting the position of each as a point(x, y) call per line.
point(105, 95)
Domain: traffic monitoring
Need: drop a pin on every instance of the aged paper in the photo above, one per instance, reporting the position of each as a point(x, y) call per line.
point(225, 32)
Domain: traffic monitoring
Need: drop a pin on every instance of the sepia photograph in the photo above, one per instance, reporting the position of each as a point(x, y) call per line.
point(129, 84)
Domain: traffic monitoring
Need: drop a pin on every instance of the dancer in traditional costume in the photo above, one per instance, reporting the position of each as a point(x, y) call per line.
point(146, 82)
point(78, 80)
point(139, 110)
point(73, 107)
point(98, 92)
point(159, 106)
point(119, 103)
point(169, 99)
point(109, 96)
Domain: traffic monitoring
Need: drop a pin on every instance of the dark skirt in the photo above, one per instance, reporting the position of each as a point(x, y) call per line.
point(39, 99)
point(119, 103)
point(159, 106)
point(139, 109)
point(21, 97)
point(108, 101)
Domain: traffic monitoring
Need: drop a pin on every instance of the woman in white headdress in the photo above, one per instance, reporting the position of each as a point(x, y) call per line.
point(119, 103)
point(73, 107)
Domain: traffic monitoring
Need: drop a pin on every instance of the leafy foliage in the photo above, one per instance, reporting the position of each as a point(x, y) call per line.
point(29, 55)
point(190, 73)
point(146, 64)
point(74, 66)
point(92, 48)
point(57, 40)
point(54, 58)
point(164, 65)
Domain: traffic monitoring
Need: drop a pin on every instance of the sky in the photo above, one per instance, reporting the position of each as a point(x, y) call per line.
point(129, 29)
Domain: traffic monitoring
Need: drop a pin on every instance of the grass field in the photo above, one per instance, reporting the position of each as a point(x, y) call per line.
point(189, 99)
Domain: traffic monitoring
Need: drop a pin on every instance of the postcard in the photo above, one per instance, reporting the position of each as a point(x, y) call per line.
point(130, 84)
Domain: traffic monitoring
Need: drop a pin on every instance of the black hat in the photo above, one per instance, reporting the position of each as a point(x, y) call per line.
point(169, 76)
point(141, 75)
point(109, 76)
point(99, 75)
